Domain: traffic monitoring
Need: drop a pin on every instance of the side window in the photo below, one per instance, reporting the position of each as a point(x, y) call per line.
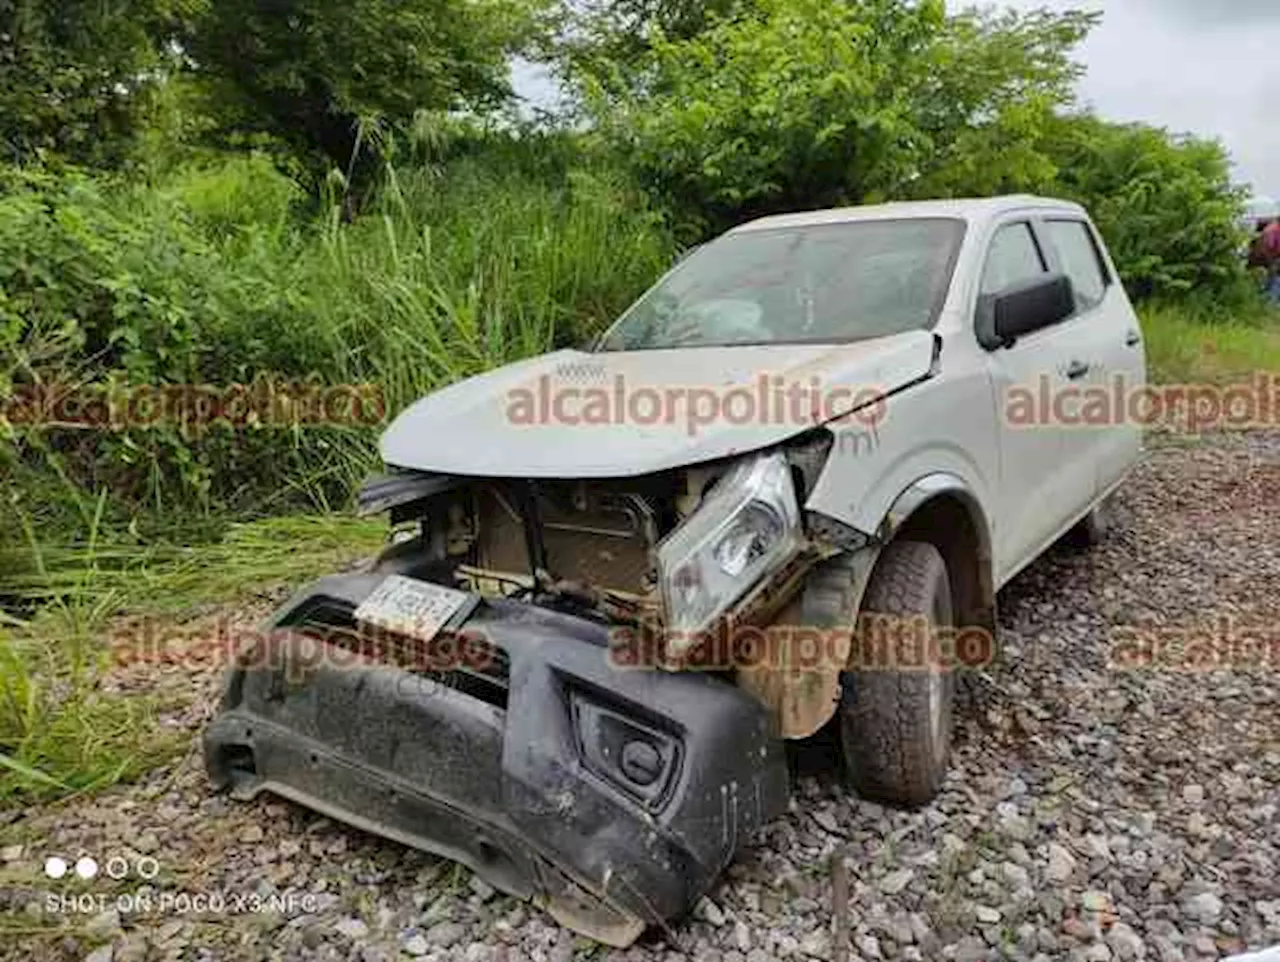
point(1080, 259)
point(1014, 257)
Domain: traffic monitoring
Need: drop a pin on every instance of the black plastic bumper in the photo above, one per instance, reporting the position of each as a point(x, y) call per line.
point(613, 797)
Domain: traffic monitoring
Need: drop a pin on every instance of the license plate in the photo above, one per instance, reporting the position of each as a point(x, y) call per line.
point(413, 608)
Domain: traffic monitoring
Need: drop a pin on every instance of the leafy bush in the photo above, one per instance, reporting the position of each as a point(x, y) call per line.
point(130, 271)
point(218, 275)
point(319, 76)
point(77, 76)
point(84, 81)
point(1165, 203)
point(809, 104)
point(801, 105)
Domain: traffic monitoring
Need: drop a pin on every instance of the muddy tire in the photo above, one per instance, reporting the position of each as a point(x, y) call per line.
point(896, 704)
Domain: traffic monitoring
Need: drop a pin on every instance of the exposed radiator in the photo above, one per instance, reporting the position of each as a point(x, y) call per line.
point(600, 538)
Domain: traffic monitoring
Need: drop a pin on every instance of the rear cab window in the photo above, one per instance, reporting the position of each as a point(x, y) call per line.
point(1077, 249)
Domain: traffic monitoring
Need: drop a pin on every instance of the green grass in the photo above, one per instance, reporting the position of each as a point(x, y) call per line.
point(1185, 348)
point(61, 732)
point(159, 577)
point(456, 275)
point(215, 274)
point(222, 273)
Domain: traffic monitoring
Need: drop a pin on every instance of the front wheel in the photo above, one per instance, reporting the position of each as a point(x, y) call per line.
point(896, 699)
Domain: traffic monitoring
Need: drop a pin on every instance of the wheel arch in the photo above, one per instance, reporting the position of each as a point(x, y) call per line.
point(939, 509)
point(942, 510)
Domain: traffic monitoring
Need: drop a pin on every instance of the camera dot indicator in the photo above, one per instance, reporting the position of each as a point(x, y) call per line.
point(55, 867)
point(86, 867)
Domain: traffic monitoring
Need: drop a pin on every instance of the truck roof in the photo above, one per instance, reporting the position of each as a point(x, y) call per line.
point(974, 210)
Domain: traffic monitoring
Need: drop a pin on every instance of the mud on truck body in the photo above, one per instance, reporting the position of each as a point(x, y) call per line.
point(544, 676)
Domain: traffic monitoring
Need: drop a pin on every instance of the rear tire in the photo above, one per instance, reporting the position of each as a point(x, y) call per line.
point(1091, 530)
point(896, 699)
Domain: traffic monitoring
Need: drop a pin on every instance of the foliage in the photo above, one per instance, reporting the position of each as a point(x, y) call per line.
point(77, 77)
point(84, 81)
point(808, 104)
point(1165, 203)
point(123, 268)
point(62, 729)
point(119, 283)
point(801, 105)
point(218, 276)
point(332, 79)
point(606, 41)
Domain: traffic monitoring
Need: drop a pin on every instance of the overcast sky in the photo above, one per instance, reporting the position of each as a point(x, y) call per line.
point(1211, 67)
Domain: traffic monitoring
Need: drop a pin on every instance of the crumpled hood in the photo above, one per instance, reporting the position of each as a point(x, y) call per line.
point(573, 414)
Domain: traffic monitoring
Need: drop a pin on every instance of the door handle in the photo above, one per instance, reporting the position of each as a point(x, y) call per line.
point(1133, 339)
point(1076, 370)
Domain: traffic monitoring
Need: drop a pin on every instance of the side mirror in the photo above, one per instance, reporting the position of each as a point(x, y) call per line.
point(1022, 309)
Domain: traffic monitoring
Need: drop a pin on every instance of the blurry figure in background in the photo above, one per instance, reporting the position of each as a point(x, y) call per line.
point(1265, 253)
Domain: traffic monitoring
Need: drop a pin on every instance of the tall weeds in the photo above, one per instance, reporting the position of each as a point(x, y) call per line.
point(222, 273)
point(219, 273)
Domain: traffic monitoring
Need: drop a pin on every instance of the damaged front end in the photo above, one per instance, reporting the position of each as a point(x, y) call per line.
point(479, 691)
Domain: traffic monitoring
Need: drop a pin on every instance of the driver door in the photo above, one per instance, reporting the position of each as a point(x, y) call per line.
point(1039, 487)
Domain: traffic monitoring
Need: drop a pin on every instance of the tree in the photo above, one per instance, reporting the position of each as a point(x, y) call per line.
point(327, 78)
point(988, 83)
point(605, 40)
point(1166, 203)
point(796, 104)
point(76, 76)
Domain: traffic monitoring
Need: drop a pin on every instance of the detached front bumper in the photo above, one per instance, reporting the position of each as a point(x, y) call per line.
point(613, 797)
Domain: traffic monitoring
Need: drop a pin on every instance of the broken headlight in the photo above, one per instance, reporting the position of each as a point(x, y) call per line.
point(745, 528)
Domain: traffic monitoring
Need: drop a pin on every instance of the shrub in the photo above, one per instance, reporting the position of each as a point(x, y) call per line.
point(219, 275)
point(1165, 203)
point(802, 105)
point(78, 77)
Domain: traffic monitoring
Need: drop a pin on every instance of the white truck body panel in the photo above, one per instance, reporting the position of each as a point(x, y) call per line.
point(946, 398)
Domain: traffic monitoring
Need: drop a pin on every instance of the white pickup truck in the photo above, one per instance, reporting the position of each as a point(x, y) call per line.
point(779, 494)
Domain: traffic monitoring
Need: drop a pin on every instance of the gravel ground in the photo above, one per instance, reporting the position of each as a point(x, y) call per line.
point(1092, 813)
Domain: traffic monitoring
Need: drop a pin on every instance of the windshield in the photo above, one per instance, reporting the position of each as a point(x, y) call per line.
point(824, 283)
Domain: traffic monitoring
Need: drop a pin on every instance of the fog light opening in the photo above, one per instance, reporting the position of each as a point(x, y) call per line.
point(239, 761)
point(641, 762)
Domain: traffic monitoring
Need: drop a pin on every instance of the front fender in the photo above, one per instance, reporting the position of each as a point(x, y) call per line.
point(943, 426)
point(804, 696)
point(801, 687)
point(928, 488)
